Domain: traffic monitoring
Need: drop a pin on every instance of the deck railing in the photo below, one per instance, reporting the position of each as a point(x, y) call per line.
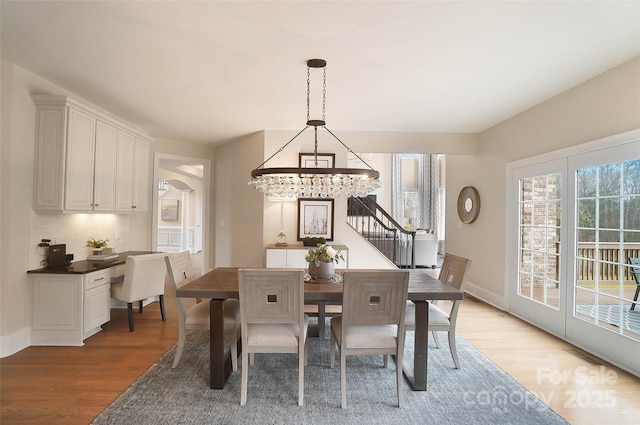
point(609, 257)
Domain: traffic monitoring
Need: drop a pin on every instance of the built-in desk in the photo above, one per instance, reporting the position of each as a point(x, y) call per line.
point(71, 303)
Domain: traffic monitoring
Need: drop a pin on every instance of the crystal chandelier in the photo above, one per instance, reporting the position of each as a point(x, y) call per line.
point(307, 182)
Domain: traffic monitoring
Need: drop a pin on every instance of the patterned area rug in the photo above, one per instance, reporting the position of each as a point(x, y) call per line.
point(479, 393)
point(630, 319)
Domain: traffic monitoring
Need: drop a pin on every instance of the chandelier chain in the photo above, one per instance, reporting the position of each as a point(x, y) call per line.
point(308, 90)
point(324, 90)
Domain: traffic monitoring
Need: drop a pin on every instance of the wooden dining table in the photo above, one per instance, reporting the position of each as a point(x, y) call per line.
point(221, 283)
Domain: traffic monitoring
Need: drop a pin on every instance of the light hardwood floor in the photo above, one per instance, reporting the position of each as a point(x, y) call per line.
point(72, 385)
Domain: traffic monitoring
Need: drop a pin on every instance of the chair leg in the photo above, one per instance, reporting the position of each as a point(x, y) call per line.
point(130, 314)
point(140, 306)
point(399, 378)
point(343, 377)
point(234, 350)
point(181, 340)
point(635, 298)
point(436, 339)
point(163, 313)
point(245, 377)
point(332, 350)
point(252, 358)
point(301, 361)
point(385, 361)
point(452, 347)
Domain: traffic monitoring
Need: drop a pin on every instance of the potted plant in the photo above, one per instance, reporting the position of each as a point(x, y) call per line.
point(321, 261)
point(97, 245)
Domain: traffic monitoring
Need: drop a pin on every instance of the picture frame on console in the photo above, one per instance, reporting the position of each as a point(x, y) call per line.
point(315, 218)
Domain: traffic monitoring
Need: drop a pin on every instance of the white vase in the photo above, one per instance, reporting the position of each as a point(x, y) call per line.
point(324, 271)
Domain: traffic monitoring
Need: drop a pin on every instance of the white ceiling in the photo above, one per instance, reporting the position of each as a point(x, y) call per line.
point(208, 71)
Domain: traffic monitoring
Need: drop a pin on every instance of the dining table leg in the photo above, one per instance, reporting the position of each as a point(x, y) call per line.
point(416, 372)
point(219, 362)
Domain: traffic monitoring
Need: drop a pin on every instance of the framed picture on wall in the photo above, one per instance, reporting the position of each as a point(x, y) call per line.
point(315, 218)
point(169, 209)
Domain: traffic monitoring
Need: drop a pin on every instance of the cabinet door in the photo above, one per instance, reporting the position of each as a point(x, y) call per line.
point(104, 193)
point(97, 308)
point(276, 258)
point(295, 258)
point(124, 172)
point(81, 134)
point(141, 188)
point(49, 179)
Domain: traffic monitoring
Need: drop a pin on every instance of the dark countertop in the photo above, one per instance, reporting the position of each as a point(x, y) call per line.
point(86, 266)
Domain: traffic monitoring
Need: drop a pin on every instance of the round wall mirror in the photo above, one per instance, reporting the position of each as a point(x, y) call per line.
point(468, 204)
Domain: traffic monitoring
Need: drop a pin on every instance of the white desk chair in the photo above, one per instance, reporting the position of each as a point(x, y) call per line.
point(143, 278)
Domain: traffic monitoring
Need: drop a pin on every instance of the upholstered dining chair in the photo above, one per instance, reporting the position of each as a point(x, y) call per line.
point(272, 318)
point(453, 272)
point(143, 278)
point(182, 271)
point(635, 271)
point(372, 320)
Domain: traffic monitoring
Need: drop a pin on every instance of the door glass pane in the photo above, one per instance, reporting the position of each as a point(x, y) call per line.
point(608, 234)
point(539, 230)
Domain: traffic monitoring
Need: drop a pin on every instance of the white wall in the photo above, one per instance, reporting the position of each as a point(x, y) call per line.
point(605, 105)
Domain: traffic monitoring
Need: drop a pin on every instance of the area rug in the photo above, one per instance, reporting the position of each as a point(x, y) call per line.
point(478, 393)
point(611, 314)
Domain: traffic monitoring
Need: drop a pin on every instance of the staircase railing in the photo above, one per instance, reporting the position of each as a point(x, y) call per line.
point(378, 227)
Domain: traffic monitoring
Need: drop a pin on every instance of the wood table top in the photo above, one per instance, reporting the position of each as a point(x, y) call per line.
point(222, 283)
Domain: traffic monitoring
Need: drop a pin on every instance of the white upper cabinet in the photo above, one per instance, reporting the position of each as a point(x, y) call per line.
point(132, 183)
point(86, 161)
point(81, 136)
point(104, 165)
point(141, 179)
point(124, 180)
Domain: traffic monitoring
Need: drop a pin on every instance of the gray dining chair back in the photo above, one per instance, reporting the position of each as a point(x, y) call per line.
point(181, 271)
point(453, 272)
point(635, 271)
point(372, 320)
point(272, 318)
point(144, 278)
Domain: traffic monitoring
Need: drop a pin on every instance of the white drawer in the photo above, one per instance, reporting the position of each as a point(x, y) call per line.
point(96, 279)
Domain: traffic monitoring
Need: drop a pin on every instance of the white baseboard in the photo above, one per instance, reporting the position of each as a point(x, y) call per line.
point(488, 297)
point(14, 342)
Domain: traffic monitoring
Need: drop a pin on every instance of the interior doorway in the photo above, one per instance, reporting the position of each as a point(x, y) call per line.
point(180, 204)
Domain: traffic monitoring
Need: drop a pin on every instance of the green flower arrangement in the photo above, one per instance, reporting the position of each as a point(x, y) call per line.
point(323, 253)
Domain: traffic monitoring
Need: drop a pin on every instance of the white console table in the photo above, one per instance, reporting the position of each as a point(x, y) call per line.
point(292, 256)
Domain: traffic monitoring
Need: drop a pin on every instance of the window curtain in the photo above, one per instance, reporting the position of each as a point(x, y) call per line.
point(427, 214)
point(428, 195)
point(397, 194)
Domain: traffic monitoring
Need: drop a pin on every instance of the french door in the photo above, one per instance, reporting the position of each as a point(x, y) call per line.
point(573, 224)
point(538, 288)
point(606, 233)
